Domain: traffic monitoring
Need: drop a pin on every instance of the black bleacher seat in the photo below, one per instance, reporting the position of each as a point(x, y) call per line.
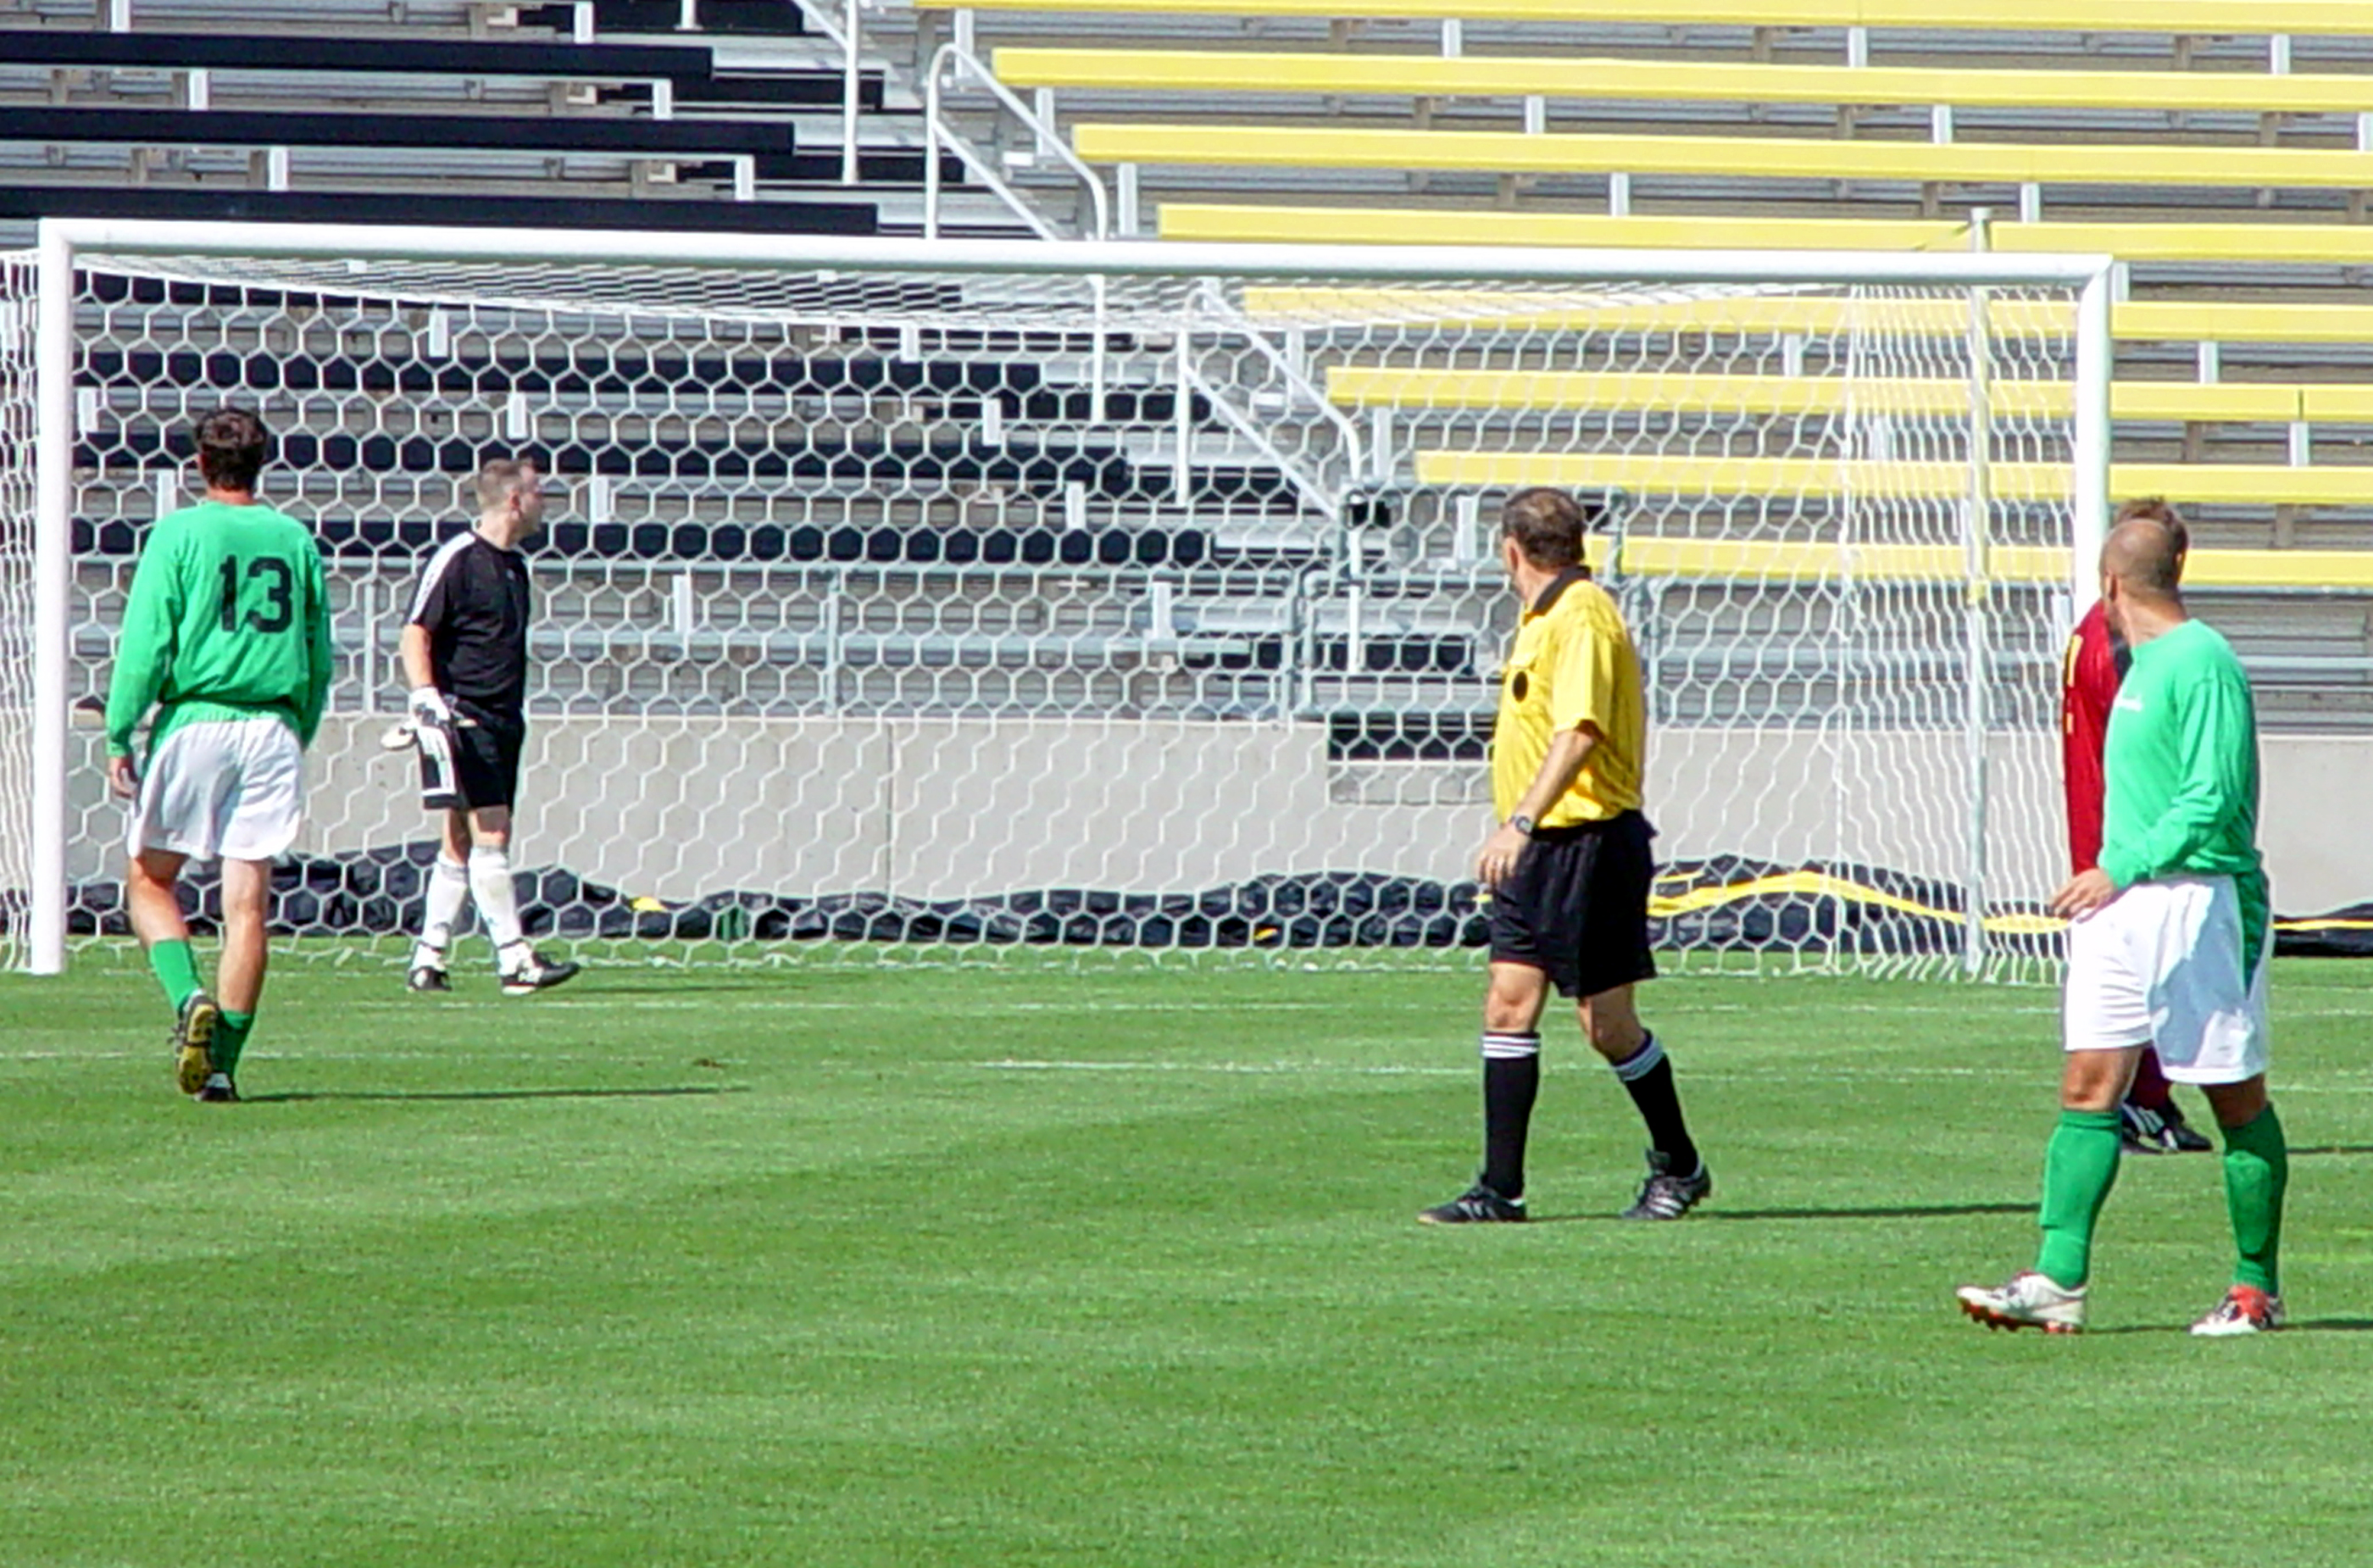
point(687, 65)
point(580, 213)
point(638, 137)
point(822, 168)
point(777, 17)
point(702, 146)
point(799, 90)
point(887, 546)
point(348, 535)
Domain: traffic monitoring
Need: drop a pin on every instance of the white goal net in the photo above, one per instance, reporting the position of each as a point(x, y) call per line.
point(958, 601)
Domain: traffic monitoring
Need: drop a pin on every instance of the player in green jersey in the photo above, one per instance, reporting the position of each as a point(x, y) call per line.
point(2167, 942)
point(227, 635)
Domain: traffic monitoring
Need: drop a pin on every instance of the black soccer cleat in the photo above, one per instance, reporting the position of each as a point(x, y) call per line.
point(428, 978)
point(218, 1090)
point(536, 973)
point(193, 1038)
point(2141, 1130)
point(1479, 1205)
point(2178, 1137)
point(1664, 1196)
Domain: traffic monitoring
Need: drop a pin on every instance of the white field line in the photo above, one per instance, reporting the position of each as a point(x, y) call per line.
point(2027, 1072)
point(1665, 1008)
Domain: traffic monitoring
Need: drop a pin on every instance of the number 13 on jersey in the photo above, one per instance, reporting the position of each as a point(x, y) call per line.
point(277, 609)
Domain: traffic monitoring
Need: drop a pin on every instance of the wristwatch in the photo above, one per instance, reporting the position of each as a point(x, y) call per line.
point(1522, 824)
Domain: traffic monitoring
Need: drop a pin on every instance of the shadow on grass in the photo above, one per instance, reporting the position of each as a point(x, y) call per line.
point(2297, 1325)
point(2310, 1152)
point(307, 1097)
point(1891, 1211)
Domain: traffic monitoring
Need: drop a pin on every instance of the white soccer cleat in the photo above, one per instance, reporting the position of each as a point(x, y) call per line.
point(2029, 1301)
point(2245, 1310)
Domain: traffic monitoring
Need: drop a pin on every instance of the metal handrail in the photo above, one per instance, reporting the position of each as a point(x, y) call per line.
point(1329, 498)
point(936, 129)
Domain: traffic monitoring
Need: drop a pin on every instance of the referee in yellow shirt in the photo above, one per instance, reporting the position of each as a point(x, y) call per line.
point(1568, 869)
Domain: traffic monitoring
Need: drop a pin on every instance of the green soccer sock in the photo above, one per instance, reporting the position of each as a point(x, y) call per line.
point(177, 970)
point(2079, 1167)
point(2257, 1169)
point(230, 1038)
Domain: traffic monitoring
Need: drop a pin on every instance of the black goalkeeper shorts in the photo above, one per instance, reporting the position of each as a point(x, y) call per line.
point(474, 762)
point(1577, 905)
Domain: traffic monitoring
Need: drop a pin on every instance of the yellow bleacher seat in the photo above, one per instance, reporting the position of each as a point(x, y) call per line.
point(2167, 16)
point(1415, 76)
point(1518, 309)
point(1515, 308)
point(1768, 560)
point(2338, 243)
point(1758, 157)
point(2225, 320)
point(1632, 391)
point(1642, 473)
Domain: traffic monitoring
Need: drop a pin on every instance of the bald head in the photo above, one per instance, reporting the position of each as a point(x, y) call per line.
point(2145, 558)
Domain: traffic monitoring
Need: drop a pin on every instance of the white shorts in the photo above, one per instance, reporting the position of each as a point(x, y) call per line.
point(234, 789)
point(2161, 965)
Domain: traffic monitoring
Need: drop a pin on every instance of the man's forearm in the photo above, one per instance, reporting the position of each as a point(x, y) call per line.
point(1563, 764)
point(414, 649)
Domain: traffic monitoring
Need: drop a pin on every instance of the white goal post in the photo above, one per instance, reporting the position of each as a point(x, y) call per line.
point(971, 596)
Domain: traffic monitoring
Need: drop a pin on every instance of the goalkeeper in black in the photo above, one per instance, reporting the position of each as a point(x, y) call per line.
point(466, 654)
point(1569, 868)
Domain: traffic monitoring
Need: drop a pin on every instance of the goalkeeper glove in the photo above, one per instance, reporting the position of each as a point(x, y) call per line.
point(428, 707)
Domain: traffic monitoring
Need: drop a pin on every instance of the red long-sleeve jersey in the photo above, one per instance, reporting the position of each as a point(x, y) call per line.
point(2088, 685)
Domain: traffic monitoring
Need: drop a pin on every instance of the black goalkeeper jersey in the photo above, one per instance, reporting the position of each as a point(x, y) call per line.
point(473, 600)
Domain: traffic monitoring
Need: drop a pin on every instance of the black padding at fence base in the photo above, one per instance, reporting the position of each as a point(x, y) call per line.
point(1725, 903)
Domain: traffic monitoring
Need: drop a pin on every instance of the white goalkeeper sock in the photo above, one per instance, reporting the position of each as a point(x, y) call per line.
point(490, 879)
point(448, 889)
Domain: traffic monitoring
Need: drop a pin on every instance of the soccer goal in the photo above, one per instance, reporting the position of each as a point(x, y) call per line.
point(909, 601)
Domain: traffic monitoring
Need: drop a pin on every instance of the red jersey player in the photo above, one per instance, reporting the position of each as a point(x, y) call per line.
point(2088, 685)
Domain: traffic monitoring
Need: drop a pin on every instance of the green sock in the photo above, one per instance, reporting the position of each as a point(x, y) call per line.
point(230, 1038)
point(177, 970)
point(2257, 1169)
point(2079, 1167)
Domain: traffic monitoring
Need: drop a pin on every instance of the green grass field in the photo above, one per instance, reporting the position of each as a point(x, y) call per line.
point(826, 1267)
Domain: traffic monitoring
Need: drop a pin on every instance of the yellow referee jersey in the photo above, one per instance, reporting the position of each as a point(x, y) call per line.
point(1572, 664)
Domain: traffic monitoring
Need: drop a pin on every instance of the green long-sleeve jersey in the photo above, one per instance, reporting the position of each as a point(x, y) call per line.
point(229, 619)
point(2180, 762)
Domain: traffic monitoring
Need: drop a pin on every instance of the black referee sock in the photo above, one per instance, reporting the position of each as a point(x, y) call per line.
point(1649, 1076)
point(1512, 1078)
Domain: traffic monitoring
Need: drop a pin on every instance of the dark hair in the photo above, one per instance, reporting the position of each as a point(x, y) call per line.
point(2154, 508)
point(1547, 525)
point(232, 444)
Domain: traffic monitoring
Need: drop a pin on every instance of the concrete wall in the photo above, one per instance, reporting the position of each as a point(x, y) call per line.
point(940, 807)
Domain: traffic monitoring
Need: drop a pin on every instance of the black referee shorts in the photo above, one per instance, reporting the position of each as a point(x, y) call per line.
point(1577, 905)
point(473, 763)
